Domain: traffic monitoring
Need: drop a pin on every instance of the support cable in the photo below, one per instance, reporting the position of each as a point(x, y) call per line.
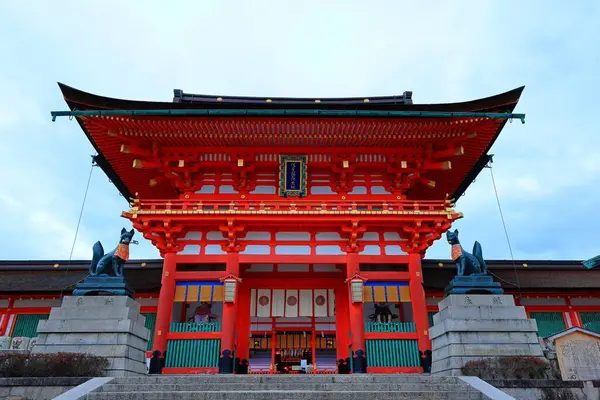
point(518, 284)
point(87, 187)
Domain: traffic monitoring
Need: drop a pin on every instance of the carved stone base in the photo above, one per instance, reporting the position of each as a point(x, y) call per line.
point(108, 326)
point(473, 284)
point(474, 327)
point(103, 286)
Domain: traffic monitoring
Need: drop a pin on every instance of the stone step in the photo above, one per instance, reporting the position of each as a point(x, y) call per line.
point(287, 395)
point(312, 386)
point(226, 379)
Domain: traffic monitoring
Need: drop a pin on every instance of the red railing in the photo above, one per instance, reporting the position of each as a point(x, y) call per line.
point(292, 206)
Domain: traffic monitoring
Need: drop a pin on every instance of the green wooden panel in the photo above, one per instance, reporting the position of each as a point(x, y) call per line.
point(430, 315)
point(548, 323)
point(195, 327)
point(200, 353)
point(150, 324)
point(26, 324)
point(392, 353)
point(390, 327)
point(590, 321)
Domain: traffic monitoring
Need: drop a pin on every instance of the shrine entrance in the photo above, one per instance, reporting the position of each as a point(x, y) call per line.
point(292, 331)
point(293, 352)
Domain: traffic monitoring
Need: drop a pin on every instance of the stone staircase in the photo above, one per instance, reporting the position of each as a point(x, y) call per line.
point(286, 387)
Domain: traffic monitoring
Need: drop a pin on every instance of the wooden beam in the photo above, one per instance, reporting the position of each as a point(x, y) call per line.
point(137, 163)
point(135, 150)
point(443, 165)
point(449, 152)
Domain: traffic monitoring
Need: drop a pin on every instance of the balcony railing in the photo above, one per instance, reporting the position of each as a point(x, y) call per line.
point(195, 327)
point(297, 206)
point(390, 327)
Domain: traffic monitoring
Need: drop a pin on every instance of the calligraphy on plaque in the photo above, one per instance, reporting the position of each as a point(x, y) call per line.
point(292, 176)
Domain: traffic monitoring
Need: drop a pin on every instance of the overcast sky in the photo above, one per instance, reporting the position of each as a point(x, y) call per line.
point(547, 171)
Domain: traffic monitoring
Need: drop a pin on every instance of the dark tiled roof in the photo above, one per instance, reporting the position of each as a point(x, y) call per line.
point(41, 276)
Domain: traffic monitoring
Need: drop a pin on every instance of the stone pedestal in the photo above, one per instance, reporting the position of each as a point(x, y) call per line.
point(473, 284)
point(103, 286)
point(473, 327)
point(108, 326)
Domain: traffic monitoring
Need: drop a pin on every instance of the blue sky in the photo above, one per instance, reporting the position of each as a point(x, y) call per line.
point(547, 171)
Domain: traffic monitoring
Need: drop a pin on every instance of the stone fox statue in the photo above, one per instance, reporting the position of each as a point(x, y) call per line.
point(466, 263)
point(102, 263)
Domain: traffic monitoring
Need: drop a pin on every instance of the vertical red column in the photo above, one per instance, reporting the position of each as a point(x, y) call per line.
point(229, 316)
point(242, 326)
point(419, 304)
point(573, 315)
point(341, 323)
point(165, 303)
point(7, 315)
point(357, 320)
point(313, 349)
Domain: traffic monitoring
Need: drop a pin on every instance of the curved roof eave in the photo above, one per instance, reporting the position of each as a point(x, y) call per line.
point(78, 99)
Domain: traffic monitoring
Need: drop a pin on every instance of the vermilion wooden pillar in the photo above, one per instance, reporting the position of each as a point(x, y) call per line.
point(357, 320)
point(419, 304)
point(165, 303)
point(4, 325)
point(242, 326)
point(341, 323)
point(229, 316)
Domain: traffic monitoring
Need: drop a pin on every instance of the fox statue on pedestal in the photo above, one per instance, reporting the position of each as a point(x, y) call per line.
point(466, 263)
point(103, 263)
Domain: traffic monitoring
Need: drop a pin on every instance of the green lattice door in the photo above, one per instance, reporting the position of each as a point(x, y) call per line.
point(26, 325)
point(590, 321)
point(150, 324)
point(548, 323)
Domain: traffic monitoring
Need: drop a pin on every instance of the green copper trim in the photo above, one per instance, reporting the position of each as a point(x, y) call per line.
point(284, 113)
point(592, 262)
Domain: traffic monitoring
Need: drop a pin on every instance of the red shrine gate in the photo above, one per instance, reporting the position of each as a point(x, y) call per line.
point(266, 210)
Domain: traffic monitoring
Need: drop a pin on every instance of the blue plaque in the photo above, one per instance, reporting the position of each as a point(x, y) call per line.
point(292, 176)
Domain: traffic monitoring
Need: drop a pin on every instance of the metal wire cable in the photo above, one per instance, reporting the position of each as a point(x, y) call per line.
point(518, 284)
point(87, 187)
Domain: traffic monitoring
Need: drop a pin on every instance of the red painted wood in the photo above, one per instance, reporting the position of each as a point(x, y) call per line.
point(287, 276)
point(4, 325)
point(32, 296)
point(386, 276)
point(165, 303)
point(32, 310)
point(148, 309)
point(342, 322)
point(208, 133)
point(199, 275)
point(356, 311)
point(277, 283)
point(418, 301)
point(242, 326)
point(230, 309)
